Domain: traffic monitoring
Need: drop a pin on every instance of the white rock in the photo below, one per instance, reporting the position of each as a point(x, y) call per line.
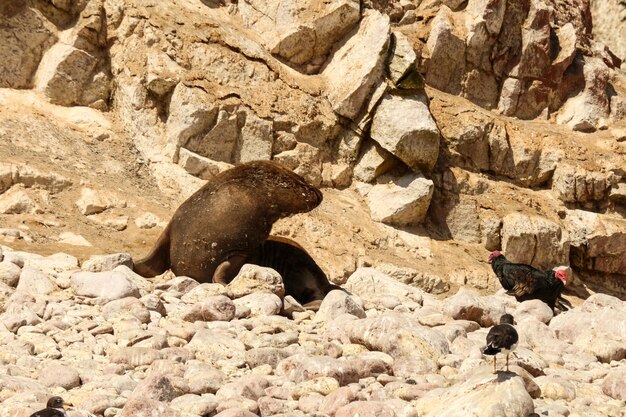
point(17, 201)
point(200, 166)
point(99, 263)
point(260, 304)
point(254, 279)
point(336, 303)
point(370, 284)
point(483, 394)
point(402, 201)
point(93, 202)
point(9, 273)
point(147, 221)
point(404, 126)
point(110, 285)
point(33, 281)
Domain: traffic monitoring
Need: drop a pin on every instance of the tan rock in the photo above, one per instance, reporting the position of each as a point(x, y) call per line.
point(27, 35)
point(373, 162)
point(403, 58)
point(349, 83)
point(533, 239)
point(370, 284)
point(302, 31)
point(336, 303)
point(401, 201)
point(403, 126)
point(481, 394)
point(253, 278)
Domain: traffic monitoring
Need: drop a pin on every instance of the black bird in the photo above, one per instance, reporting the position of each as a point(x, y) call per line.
point(526, 282)
point(502, 338)
point(54, 408)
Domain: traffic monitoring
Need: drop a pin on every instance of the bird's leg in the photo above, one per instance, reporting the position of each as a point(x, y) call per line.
point(494, 364)
point(507, 362)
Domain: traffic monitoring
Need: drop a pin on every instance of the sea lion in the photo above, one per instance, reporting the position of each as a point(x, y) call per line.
point(304, 280)
point(213, 232)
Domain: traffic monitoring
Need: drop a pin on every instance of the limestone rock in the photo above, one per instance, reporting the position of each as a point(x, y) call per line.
point(597, 241)
point(401, 201)
point(147, 221)
point(614, 385)
point(589, 110)
point(152, 397)
point(466, 304)
point(260, 304)
point(576, 185)
point(99, 263)
point(92, 202)
point(394, 334)
point(302, 32)
point(403, 126)
point(403, 58)
point(338, 302)
point(9, 273)
point(556, 388)
point(366, 409)
point(254, 279)
point(216, 308)
point(534, 240)
point(33, 282)
point(356, 66)
point(482, 394)
point(110, 285)
point(27, 35)
point(59, 376)
point(199, 166)
point(373, 162)
point(445, 52)
point(18, 201)
point(370, 285)
point(126, 307)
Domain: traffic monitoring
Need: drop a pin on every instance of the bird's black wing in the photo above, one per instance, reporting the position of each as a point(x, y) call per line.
point(502, 336)
point(525, 279)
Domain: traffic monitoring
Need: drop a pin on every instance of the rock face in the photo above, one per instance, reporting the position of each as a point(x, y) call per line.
point(402, 201)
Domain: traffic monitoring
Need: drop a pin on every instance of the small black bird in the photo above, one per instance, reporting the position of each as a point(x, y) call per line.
point(54, 408)
point(526, 282)
point(502, 338)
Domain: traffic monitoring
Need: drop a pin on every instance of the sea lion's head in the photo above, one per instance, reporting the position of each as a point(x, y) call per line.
point(287, 192)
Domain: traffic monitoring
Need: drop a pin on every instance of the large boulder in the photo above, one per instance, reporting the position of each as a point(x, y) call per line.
point(373, 286)
point(401, 201)
point(598, 241)
point(357, 65)
point(482, 394)
point(403, 126)
point(534, 240)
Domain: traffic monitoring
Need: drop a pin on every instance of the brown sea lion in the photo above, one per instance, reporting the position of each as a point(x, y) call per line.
point(304, 280)
point(213, 232)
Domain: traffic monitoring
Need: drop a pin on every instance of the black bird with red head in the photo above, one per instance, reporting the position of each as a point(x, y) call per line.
point(526, 282)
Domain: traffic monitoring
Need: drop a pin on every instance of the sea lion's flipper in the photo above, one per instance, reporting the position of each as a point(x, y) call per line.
point(228, 270)
point(158, 260)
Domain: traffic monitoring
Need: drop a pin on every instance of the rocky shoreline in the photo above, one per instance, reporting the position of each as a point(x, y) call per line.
point(115, 344)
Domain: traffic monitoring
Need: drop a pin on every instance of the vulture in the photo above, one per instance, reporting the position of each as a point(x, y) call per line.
point(526, 282)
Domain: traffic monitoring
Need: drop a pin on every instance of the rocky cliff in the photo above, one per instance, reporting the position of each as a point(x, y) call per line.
point(438, 130)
